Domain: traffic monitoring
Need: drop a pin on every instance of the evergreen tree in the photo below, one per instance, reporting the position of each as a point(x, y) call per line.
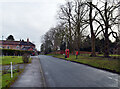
point(10, 38)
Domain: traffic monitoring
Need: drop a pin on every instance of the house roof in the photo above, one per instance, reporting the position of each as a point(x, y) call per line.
point(26, 43)
point(27, 48)
point(4, 42)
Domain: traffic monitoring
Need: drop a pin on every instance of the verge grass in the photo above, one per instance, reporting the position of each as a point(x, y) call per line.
point(7, 80)
point(110, 55)
point(0, 80)
point(14, 59)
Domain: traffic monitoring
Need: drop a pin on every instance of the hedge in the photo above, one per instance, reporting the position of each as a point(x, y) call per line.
point(13, 52)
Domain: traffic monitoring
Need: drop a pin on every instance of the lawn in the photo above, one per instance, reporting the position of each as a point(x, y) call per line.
point(14, 59)
point(110, 55)
point(99, 62)
point(7, 80)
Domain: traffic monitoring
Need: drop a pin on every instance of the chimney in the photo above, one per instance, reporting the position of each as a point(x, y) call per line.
point(27, 40)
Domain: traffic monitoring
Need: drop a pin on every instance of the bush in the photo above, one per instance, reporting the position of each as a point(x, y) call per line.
point(13, 52)
point(25, 58)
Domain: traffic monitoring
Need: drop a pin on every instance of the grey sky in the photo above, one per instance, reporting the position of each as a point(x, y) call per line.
point(28, 18)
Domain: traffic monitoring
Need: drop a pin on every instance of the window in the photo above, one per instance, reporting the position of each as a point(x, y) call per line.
point(22, 46)
point(17, 47)
point(8, 47)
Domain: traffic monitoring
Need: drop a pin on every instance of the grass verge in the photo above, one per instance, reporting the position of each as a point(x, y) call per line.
point(14, 59)
point(7, 80)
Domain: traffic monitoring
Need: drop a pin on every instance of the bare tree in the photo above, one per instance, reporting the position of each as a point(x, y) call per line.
point(76, 16)
point(92, 31)
point(107, 20)
point(80, 11)
point(119, 21)
point(65, 15)
point(53, 38)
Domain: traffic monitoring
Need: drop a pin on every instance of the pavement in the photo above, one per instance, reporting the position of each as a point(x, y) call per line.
point(31, 77)
point(62, 73)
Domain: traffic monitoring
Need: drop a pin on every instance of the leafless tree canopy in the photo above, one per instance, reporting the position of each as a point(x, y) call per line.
point(81, 20)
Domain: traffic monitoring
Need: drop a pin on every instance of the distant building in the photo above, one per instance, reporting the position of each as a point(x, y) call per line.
point(18, 45)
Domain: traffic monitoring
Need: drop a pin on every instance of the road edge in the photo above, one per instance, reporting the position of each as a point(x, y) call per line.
point(44, 84)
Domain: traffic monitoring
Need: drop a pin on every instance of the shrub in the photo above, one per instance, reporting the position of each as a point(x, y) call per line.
point(25, 58)
point(13, 52)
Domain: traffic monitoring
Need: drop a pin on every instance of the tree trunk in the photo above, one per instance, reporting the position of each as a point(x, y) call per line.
point(78, 35)
point(70, 37)
point(93, 54)
point(106, 44)
point(92, 32)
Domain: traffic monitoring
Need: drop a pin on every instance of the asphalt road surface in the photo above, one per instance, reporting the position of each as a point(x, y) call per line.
point(62, 73)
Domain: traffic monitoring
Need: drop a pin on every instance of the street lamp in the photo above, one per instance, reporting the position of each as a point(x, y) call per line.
point(2, 38)
point(2, 45)
point(2, 41)
point(66, 36)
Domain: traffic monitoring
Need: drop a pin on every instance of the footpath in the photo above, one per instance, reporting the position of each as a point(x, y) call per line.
point(32, 75)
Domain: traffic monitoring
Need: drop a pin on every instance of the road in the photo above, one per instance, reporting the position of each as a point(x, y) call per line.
point(62, 73)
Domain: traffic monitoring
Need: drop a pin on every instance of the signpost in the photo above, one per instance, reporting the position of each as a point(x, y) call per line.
point(11, 70)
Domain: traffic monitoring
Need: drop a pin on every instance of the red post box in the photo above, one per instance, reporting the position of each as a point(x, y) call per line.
point(67, 53)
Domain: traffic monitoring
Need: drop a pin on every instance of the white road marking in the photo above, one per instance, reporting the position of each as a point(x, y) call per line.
point(110, 77)
point(113, 79)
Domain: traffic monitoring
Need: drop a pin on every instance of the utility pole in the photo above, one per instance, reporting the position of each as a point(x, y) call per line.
point(11, 70)
point(2, 46)
point(2, 41)
point(2, 38)
point(66, 37)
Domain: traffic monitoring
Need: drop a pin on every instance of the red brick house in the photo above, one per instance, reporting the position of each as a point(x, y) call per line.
point(18, 45)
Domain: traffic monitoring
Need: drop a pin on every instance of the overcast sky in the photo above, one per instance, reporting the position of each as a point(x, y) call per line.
point(28, 18)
